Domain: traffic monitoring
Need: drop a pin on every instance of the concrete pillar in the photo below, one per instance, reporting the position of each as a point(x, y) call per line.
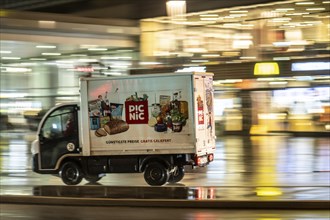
point(44, 84)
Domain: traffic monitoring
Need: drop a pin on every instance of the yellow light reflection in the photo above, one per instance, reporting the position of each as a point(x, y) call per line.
point(266, 173)
point(268, 191)
point(269, 218)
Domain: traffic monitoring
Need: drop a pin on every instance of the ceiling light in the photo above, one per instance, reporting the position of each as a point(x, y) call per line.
point(284, 9)
point(175, 3)
point(266, 79)
point(149, 63)
point(232, 24)
point(40, 59)
point(230, 81)
point(239, 11)
point(238, 15)
point(87, 60)
point(298, 14)
point(64, 61)
point(310, 66)
point(5, 51)
point(118, 66)
point(78, 55)
point(175, 8)
point(45, 46)
point(199, 61)
point(116, 58)
point(17, 69)
point(230, 53)
point(247, 25)
point(326, 2)
point(281, 19)
point(12, 95)
point(210, 55)
point(46, 22)
point(209, 15)
point(28, 64)
point(242, 44)
point(208, 18)
point(281, 58)
point(51, 54)
point(304, 3)
point(248, 58)
point(124, 50)
point(277, 83)
point(97, 49)
point(10, 58)
point(85, 46)
point(282, 44)
point(315, 9)
point(196, 50)
point(234, 61)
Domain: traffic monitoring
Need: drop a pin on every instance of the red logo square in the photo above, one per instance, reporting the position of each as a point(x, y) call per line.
point(136, 112)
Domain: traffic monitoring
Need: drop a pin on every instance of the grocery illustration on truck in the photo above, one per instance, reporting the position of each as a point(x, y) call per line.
point(135, 116)
point(164, 116)
point(153, 124)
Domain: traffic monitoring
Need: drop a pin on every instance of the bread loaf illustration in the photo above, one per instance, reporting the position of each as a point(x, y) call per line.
point(116, 126)
point(100, 132)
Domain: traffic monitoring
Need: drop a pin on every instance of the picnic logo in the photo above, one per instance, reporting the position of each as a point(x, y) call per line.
point(136, 112)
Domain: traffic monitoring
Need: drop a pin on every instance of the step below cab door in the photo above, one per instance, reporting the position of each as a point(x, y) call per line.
point(58, 136)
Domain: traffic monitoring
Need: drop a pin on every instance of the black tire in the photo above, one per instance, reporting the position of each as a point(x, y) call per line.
point(93, 178)
point(177, 175)
point(71, 173)
point(156, 174)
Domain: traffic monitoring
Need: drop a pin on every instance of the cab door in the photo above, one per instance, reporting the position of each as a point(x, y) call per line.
point(58, 136)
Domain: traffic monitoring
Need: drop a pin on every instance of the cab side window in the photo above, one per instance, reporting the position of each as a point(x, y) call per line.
point(59, 124)
point(52, 127)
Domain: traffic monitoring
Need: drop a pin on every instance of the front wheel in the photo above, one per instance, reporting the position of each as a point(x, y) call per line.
point(71, 173)
point(177, 175)
point(156, 174)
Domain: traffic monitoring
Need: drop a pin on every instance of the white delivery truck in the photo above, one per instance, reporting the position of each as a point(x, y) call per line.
point(153, 124)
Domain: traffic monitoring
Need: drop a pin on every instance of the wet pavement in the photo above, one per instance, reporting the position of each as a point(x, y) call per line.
point(56, 212)
point(248, 172)
point(292, 198)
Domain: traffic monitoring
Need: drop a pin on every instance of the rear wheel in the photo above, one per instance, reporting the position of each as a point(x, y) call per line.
point(177, 175)
point(156, 174)
point(71, 173)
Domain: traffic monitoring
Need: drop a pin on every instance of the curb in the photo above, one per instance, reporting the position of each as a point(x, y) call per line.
point(170, 203)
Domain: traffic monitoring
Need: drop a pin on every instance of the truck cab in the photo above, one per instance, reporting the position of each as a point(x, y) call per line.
point(58, 137)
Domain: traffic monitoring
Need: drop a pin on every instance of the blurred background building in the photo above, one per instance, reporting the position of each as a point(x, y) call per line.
point(270, 58)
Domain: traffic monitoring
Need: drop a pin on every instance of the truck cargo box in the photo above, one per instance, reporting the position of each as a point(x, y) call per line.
point(149, 114)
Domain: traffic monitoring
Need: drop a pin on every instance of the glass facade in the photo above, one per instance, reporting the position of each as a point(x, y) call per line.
point(294, 35)
point(280, 30)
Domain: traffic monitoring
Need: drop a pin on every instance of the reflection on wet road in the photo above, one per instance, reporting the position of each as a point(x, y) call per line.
point(14, 212)
point(185, 193)
point(261, 169)
point(239, 161)
point(244, 168)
